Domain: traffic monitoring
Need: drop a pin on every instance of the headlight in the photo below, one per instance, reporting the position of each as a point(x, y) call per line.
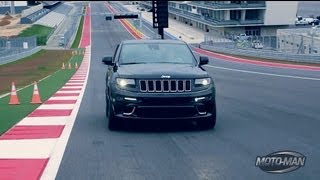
point(124, 82)
point(202, 81)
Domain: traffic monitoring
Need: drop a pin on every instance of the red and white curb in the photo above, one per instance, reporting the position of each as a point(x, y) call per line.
point(33, 148)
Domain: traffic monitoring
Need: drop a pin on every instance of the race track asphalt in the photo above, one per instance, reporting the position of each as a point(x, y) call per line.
point(257, 114)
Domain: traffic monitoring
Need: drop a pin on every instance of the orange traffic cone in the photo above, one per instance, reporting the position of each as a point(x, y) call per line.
point(14, 100)
point(36, 96)
point(69, 65)
point(63, 67)
point(76, 66)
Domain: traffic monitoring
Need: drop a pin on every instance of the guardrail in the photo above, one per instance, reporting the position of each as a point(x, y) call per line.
point(306, 58)
point(15, 57)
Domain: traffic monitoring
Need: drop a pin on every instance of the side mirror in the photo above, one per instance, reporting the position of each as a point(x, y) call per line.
point(204, 60)
point(107, 61)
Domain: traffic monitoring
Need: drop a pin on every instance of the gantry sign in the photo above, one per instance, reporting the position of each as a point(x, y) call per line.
point(159, 16)
point(122, 16)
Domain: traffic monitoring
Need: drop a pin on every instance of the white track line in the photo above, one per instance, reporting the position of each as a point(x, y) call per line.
point(73, 84)
point(68, 92)
point(56, 106)
point(64, 98)
point(71, 87)
point(22, 149)
point(37, 121)
point(261, 73)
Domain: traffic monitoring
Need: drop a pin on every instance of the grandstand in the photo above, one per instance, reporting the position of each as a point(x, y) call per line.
point(56, 16)
point(50, 4)
point(34, 16)
point(47, 13)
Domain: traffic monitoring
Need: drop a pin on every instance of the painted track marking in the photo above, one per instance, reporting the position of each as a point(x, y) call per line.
point(261, 73)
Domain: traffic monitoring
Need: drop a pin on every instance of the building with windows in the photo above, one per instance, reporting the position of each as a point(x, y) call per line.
point(259, 18)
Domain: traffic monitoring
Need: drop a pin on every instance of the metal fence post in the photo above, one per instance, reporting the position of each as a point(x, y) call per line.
point(293, 44)
point(312, 45)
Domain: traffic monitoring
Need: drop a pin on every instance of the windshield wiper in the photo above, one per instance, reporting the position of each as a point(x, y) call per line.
point(133, 63)
point(171, 63)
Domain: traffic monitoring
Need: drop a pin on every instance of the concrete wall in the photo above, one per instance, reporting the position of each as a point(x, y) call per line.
point(280, 12)
point(234, 30)
point(271, 30)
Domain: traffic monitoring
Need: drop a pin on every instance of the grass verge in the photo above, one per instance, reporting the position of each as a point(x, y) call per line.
point(12, 114)
point(42, 33)
point(77, 39)
point(32, 68)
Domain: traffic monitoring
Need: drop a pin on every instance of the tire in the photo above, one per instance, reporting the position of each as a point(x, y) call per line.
point(210, 122)
point(113, 123)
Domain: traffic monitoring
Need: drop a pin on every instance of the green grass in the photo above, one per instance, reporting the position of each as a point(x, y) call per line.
point(12, 114)
point(32, 68)
point(42, 33)
point(77, 39)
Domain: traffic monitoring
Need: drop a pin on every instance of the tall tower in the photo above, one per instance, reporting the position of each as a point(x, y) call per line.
point(12, 9)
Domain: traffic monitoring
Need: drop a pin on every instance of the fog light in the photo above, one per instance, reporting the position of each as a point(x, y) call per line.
point(199, 99)
point(130, 99)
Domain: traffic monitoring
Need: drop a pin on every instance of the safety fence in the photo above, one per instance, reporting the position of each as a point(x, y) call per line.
point(7, 58)
point(299, 41)
point(291, 43)
point(268, 54)
point(299, 45)
point(66, 39)
point(14, 46)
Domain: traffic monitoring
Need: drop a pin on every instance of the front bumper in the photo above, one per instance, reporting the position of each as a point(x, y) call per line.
point(163, 106)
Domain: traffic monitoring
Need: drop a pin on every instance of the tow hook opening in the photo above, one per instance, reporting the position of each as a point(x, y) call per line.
point(201, 109)
point(129, 110)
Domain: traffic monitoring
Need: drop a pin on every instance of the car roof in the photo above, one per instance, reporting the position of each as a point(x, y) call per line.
point(152, 41)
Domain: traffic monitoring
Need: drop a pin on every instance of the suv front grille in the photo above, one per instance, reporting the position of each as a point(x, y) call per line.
point(165, 85)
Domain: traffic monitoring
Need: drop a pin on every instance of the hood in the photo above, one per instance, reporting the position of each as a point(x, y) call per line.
point(157, 70)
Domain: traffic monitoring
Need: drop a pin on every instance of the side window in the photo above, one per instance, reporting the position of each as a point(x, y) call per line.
point(115, 53)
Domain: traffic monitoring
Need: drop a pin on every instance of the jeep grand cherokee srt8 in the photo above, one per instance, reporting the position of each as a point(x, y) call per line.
point(157, 80)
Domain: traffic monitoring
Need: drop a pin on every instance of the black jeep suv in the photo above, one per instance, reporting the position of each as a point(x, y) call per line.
point(157, 80)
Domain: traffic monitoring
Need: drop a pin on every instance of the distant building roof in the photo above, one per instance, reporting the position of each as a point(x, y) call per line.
point(49, 3)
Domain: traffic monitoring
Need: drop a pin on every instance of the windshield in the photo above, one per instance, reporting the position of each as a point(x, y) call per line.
point(156, 53)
